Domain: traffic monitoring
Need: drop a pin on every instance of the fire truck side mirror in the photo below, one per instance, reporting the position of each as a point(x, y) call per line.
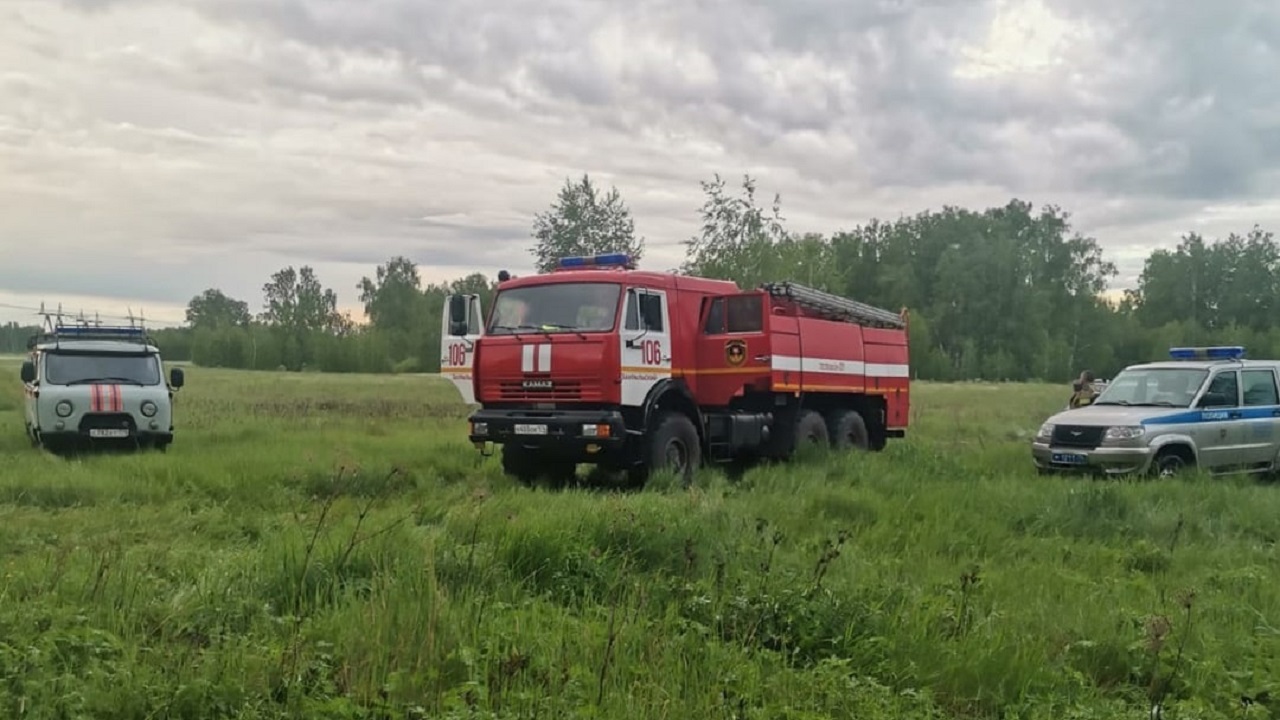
point(458, 315)
point(28, 371)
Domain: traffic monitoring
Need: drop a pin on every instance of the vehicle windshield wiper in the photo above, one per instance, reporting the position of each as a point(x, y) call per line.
point(515, 328)
point(572, 328)
point(119, 380)
point(1130, 404)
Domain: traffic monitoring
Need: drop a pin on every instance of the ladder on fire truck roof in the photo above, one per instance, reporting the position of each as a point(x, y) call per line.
point(835, 307)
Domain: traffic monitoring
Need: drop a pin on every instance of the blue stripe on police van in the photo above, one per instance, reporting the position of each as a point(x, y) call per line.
point(1191, 417)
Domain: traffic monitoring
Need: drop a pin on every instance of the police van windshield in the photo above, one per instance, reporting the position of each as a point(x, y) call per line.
point(1164, 387)
point(123, 369)
point(555, 307)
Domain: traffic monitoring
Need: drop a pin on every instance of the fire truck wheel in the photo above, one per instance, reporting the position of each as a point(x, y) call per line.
point(849, 431)
point(519, 464)
point(811, 429)
point(674, 446)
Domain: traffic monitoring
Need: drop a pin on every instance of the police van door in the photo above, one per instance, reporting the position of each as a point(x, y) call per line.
point(646, 344)
point(1221, 425)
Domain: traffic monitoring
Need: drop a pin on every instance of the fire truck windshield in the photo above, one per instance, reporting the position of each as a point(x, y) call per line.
point(555, 307)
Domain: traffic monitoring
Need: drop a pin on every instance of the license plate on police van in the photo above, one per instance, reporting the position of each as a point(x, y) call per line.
point(108, 433)
point(1070, 458)
point(531, 429)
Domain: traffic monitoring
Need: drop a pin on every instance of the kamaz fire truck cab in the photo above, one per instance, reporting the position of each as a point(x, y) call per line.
point(600, 363)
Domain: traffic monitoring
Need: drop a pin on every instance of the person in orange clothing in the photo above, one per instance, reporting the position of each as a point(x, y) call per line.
point(1082, 391)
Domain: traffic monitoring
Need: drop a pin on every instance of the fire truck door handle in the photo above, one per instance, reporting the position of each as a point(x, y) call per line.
point(762, 358)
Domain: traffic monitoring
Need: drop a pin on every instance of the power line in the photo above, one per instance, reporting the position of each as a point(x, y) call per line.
point(40, 310)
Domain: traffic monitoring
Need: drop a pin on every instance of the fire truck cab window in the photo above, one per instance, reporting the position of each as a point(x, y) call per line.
point(557, 307)
point(735, 314)
point(641, 304)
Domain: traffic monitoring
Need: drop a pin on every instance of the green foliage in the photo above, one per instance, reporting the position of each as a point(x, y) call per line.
point(1006, 293)
point(330, 546)
point(212, 309)
point(583, 222)
point(296, 301)
point(738, 241)
point(14, 336)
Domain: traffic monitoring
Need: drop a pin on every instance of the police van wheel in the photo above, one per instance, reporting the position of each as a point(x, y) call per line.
point(1168, 464)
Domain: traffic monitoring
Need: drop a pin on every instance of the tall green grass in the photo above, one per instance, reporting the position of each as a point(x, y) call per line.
point(330, 547)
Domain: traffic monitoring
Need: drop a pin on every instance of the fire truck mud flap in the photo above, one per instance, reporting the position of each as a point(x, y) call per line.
point(569, 432)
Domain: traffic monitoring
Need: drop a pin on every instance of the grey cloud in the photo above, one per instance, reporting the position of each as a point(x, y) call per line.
point(346, 131)
point(915, 122)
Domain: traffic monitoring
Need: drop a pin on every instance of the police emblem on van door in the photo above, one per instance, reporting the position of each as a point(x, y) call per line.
point(735, 352)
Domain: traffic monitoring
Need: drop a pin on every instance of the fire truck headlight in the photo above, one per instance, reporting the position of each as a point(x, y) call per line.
point(479, 428)
point(149, 408)
point(595, 431)
point(63, 408)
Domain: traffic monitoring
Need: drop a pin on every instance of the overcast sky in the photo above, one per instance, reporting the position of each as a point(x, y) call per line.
point(150, 149)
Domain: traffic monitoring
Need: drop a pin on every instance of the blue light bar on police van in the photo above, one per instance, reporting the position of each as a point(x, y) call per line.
point(595, 261)
point(101, 333)
point(1220, 352)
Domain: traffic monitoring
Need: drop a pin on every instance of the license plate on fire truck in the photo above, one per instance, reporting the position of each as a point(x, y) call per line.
point(531, 429)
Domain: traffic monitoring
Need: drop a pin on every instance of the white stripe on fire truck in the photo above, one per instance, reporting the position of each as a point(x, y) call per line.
point(784, 363)
point(535, 357)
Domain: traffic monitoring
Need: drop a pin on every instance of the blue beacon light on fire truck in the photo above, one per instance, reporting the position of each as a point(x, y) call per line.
point(595, 261)
point(1220, 352)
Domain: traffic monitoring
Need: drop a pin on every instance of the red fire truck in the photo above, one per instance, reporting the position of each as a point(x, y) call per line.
point(597, 362)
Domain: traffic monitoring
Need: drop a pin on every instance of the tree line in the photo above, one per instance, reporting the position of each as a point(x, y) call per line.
point(1004, 293)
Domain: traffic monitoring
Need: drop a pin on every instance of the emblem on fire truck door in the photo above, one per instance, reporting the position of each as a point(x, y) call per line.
point(735, 352)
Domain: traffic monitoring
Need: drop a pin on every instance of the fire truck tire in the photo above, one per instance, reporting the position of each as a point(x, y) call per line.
point(811, 429)
point(674, 445)
point(527, 468)
point(849, 431)
point(519, 463)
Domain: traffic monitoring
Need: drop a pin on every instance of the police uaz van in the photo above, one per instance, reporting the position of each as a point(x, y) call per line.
point(1205, 407)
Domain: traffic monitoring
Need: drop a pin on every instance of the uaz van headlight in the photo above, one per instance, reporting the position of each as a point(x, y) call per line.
point(149, 408)
point(63, 408)
point(1128, 432)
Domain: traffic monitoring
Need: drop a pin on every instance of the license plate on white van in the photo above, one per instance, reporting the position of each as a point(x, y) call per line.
point(531, 429)
point(108, 433)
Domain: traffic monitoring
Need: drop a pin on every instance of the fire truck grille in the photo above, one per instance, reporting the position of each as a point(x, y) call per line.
point(1078, 436)
point(548, 390)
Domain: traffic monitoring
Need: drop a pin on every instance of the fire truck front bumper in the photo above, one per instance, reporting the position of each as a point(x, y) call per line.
point(572, 431)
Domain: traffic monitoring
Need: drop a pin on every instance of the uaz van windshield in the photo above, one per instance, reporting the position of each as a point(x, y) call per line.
point(556, 307)
point(120, 369)
point(1163, 387)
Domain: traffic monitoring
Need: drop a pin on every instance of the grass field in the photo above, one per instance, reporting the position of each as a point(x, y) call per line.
point(331, 547)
